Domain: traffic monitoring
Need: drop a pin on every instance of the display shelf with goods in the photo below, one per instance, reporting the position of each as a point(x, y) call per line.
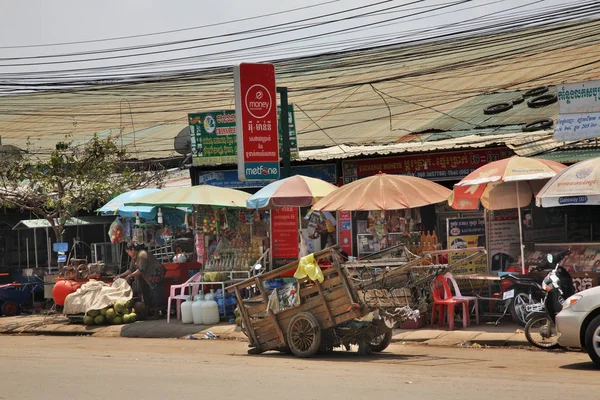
point(379, 230)
point(415, 242)
point(229, 243)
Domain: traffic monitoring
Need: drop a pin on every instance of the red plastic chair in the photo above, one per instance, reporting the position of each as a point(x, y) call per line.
point(442, 300)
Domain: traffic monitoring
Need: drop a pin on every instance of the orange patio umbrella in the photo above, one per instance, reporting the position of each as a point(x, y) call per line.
point(504, 184)
point(383, 192)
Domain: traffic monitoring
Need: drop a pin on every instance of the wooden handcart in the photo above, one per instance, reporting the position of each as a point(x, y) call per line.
point(357, 303)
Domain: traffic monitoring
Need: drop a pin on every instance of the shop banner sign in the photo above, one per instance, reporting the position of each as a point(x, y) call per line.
point(213, 137)
point(214, 141)
point(504, 241)
point(256, 122)
point(284, 235)
point(229, 179)
point(440, 166)
point(345, 231)
point(465, 233)
point(578, 111)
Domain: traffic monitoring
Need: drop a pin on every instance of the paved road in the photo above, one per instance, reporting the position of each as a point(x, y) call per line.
point(38, 367)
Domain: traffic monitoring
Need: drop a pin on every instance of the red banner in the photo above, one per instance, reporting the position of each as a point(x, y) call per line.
point(284, 235)
point(437, 166)
point(256, 122)
point(345, 231)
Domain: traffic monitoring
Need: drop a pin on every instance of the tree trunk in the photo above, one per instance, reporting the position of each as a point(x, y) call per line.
point(57, 229)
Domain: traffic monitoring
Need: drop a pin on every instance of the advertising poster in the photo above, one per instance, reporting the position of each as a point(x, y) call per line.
point(503, 234)
point(214, 141)
point(294, 154)
point(256, 121)
point(345, 231)
point(284, 235)
point(213, 137)
point(229, 178)
point(578, 111)
point(466, 233)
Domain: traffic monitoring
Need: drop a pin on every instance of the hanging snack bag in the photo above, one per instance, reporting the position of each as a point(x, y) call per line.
point(116, 231)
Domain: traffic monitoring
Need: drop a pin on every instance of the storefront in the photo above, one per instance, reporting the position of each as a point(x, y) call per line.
point(552, 230)
point(414, 227)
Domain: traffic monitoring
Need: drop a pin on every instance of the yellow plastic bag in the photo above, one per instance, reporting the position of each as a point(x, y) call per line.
point(308, 267)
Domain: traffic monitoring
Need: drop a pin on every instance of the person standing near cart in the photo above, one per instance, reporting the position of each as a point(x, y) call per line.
point(147, 274)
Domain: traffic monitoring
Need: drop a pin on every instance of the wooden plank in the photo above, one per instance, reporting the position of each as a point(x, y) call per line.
point(324, 299)
point(257, 309)
point(328, 284)
point(260, 322)
point(270, 313)
point(247, 322)
point(345, 283)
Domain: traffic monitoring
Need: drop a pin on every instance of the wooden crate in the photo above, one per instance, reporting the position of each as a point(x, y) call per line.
point(385, 298)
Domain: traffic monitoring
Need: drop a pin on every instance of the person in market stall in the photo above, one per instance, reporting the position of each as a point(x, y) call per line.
point(146, 276)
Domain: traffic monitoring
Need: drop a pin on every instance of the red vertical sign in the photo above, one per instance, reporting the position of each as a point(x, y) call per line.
point(256, 122)
point(284, 235)
point(345, 231)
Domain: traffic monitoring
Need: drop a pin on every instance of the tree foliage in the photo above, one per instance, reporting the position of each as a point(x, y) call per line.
point(70, 179)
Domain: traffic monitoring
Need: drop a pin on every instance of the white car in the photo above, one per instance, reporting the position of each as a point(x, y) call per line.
point(578, 323)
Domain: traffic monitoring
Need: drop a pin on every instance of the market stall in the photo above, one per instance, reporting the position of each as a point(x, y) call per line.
point(228, 240)
point(384, 212)
point(286, 199)
point(502, 185)
point(567, 224)
point(155, 226)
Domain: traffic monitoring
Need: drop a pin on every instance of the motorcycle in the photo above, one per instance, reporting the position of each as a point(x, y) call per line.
point(522, 295)
point(540, 329)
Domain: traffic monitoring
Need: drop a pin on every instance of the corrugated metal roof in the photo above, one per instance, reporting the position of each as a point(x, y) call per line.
point(571, 156)
point(372, 96)
point(344, 151)
point(76, 221)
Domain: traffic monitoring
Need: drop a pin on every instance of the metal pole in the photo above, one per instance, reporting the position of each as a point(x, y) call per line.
point(35, 246)
point(520, 232)
point(48, 252)
point(27, 250)
point(285, 131)
point(271, 244)
point(19, 247)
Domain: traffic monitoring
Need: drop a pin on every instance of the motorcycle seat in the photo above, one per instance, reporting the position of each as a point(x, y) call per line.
point(520, 279)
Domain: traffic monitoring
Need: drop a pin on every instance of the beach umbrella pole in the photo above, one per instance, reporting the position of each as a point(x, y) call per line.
point(520, 232)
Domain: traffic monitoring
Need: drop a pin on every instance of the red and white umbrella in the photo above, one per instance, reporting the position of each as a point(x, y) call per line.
point(504, 184)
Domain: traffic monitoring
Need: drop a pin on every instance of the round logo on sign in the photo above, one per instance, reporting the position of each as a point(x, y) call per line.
point(258, 101)
point(209, 124)
point(455, 231)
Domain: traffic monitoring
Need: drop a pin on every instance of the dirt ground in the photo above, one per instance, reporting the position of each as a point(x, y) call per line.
point(50, 367)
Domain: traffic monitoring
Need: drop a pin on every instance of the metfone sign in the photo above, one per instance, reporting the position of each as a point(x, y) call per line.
point(256, 122)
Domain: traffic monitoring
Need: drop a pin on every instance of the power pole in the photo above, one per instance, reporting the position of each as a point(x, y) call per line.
point(285, 131)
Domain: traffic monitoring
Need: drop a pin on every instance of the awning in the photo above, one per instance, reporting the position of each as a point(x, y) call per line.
point(77, 221)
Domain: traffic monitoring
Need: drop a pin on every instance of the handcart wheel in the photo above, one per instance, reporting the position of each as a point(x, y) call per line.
point(10, 308)
point(381, 342)
point(304, 335)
